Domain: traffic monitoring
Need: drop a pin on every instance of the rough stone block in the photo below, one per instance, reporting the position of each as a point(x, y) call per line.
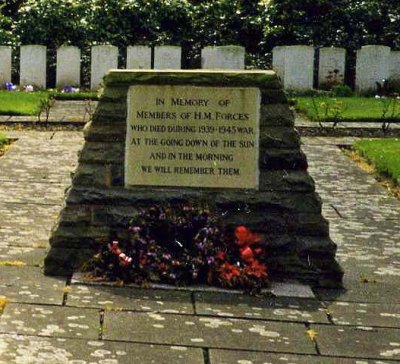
point(332, 62)
point(68, 67)
point(223, 57)
point(372, 66)
point(33, 66)
point(138, 57)
point(280, 158)
point(5, 65)
point(104, 57)
point(276, 115)
point(167, 57)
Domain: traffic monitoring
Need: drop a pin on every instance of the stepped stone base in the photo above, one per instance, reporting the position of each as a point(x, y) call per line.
point(285, 207)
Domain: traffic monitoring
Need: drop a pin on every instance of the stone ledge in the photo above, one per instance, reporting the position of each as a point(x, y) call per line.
point(260, 79)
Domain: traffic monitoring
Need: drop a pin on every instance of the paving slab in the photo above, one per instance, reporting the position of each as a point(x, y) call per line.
point(26, 225)
point(247, 357)
point(29, 256)
point(363, 290)
point(119, 298)
point(28, 284)
point(278, 309)
point(359, 342)
point(365, 314)
point(40, 350)
point(54, 321)
point(207, 332)
point(30, 192)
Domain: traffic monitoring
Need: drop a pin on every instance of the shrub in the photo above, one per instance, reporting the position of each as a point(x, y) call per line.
point(342, 91)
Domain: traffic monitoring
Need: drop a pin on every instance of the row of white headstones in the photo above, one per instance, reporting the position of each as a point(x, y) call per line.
point(293, 64)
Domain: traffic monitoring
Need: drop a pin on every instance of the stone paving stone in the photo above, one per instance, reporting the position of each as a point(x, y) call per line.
point(26, 225)
point(28, 284)
point(360, 342)
point(246, 357)
point(32, 192)
point(358, 291)
point(54, 321)
point(115, 298)
point(365, 314)
point(41, 156)
point(207, 332)
point(29, 256)
point(291, 289)
point(243, 306)
point(40, 350)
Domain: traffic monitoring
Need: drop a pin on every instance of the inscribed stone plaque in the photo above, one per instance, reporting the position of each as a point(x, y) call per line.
point(192, 136)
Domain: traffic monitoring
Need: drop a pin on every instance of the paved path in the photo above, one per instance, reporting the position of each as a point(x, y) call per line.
point(47, 321)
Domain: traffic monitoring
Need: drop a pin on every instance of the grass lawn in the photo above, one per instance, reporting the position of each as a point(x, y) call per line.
point(383, 154)
point(20, 103)
point(3, 139)
point(353, 108)
point(28, 103)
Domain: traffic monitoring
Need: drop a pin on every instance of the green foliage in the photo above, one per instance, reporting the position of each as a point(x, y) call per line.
point(342, 91)
point(384, 154)
point(346, 23)
point(3, 139)
point(354, 108)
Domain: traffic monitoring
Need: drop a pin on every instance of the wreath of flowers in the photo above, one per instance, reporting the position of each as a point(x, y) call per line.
point(182, 246)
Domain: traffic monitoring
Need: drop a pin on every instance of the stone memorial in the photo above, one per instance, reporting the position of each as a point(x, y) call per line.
point(372, 66)
point(299, 67)
point(394, 65)
point(5, 65)
point(138, 57)
point(278, 62)
point(33, 66)
point(104, 57)
point(68, 67)
point(332, 62)
point(170, 137)
point(167, 57)
point(223, 57)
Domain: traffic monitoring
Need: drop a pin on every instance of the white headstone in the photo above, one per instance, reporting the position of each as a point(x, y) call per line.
point(167, 57)
point(394, 65)
point(104, 57)
point(138, 57)
point(278, 61)
point(5, 65)
point(68, 66)
point(223, 57)
point(372, 66)
point(332, 62)
point(33, 66)
point(299, 67)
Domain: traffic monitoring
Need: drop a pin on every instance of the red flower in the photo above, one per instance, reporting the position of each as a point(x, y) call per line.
point(220, 255)
point(229, 271)
point(257, 270)
point(247, 254)
point(245, 237)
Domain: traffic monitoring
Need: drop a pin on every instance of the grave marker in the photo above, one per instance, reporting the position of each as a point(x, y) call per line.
point(5, 65)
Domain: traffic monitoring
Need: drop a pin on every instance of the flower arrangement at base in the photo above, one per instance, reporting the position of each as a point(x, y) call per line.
point(181, 246)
